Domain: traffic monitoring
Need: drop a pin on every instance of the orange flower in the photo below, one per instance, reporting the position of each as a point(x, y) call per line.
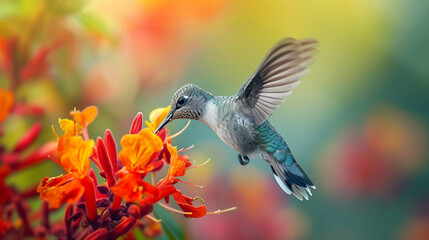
point(177, 165)
point(177, 169)
point(156, 117)
point(71, 129)
point(185, 203)
point(132, 188)
point(138, 150)
point(74, 154)
point(137, 154)
point(6, 103)
point(85, 117)
point(62, 189)
point(75, 158)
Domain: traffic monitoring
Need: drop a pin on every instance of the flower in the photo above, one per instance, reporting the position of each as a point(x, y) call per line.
point(375, 156)
point(6, 101)
point(142, 153)
point(75, 158)
point(60, 190)
point(85, 117)
point(138, 150)
point(262, 209)
point(38, 64)
point(132, 188)
point(7, 47)
point(16, 158)
point(177, 169)
point(156, 117)
point(74, 154)
point(32, 65)
point(137, 155)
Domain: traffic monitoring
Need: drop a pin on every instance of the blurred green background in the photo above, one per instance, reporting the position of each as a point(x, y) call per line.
point(357, 124)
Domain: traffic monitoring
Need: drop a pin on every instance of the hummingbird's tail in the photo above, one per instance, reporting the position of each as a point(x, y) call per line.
point(290, 176)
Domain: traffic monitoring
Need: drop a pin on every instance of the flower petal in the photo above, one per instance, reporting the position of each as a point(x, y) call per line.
point(185, 203)
point(137, 124)
point(61, 189)
point(137, 149)
point(6, 101)
point(158, 115)
point(177, 165)
point(85, 117)
point(132, 188)
point(75, 157)
point(69, 127)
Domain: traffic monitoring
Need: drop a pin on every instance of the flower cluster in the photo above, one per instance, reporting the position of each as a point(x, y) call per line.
point(111, 209)
point(22, 155)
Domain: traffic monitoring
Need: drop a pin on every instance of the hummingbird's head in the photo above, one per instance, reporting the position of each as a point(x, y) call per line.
point(188, 102)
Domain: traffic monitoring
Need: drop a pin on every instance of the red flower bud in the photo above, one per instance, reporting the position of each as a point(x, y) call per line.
point(99, 234)
point(67, 222)
point(104, 162)
point(110, 144)
point(123, 227)
point(137, 124)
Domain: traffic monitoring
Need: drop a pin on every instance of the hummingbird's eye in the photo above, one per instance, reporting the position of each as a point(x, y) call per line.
point(181, 101)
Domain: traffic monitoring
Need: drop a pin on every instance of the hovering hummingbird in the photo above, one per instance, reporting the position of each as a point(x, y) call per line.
point(241, 121)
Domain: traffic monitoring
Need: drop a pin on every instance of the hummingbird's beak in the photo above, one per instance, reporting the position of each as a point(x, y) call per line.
point(164, 122)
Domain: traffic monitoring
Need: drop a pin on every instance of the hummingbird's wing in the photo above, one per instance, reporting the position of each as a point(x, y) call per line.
point(276, 76)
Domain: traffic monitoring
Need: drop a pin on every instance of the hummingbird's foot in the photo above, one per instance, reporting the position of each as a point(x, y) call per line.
point(244, 160)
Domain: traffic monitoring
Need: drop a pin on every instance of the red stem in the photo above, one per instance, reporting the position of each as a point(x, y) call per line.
point(22, 212)
point(68, 213)
point(45, 215)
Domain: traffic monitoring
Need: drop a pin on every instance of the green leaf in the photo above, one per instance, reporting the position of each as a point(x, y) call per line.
point(171, 227)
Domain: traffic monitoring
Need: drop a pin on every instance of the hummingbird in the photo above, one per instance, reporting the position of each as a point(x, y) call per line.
point(241, 120)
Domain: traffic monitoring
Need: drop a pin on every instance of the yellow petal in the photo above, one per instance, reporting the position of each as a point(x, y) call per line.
point(137, 149)
point(75, 155)
point(158, 115)
point(85, 117)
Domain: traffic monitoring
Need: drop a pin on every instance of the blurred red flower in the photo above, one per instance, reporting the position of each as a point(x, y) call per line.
point(375, 158)
point(6, 102)
point(261, 213)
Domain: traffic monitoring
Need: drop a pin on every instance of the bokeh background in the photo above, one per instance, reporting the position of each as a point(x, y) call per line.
point(357, 124)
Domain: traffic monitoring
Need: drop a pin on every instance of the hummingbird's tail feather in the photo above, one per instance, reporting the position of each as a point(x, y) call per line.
point(292, 179)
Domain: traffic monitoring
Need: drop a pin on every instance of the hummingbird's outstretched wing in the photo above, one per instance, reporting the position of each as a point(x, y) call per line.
point(276, 76)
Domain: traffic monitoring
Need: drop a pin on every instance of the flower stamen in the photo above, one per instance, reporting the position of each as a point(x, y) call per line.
point(192, 184)
point(173, 209)
point(218, 212)
point(152, 218)
point(180, 132)
point(185, 149)
point(197, 166)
